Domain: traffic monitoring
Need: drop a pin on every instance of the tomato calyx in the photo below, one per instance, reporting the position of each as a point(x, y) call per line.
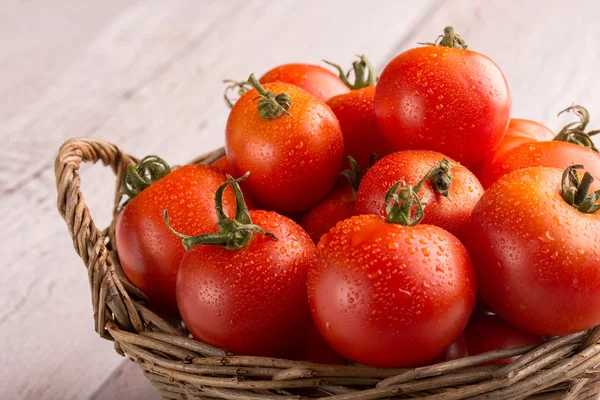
point(449, 39)
point(577, 193)
point(575, 131)
point(353, 174)
point(440, 177)
point(270, 105)
point(241, 88)
point(402, 203)
point(233, 234)
point(139, 176)
point(364, 73)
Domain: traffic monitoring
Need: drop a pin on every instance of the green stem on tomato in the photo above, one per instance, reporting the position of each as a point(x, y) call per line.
point(233, 234)
point(353, 174)
point(449, 39)
point(270, 106)
point(241, 87)
point(575, 131)
point(364, 73)
point(139, 176)
point(576, 192)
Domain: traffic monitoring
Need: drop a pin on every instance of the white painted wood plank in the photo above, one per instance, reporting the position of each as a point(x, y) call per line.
point(153, 74)
point(40, 39)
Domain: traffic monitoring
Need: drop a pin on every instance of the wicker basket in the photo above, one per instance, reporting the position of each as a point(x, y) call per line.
point(182, 368)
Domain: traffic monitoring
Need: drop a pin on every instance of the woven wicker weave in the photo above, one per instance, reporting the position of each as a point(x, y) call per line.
point(182, 368)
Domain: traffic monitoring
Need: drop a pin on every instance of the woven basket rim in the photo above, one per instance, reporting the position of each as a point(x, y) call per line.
point(182, 368)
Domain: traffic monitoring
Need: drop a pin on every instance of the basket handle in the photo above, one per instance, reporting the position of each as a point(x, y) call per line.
point(105, 285)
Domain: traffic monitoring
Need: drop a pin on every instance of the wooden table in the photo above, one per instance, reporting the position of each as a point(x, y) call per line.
point(147, 76)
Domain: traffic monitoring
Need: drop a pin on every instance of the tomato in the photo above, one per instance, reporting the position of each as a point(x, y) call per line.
point(149, 254)
point(451, 212)
point(336, 207)
point(244, 289)
point(521, 148)
point(356, 112)
point(488, 332)
point(519, 131)
point(458, 349)
point(390, 295)
point(316, 80)
point(536, 249)
point(291, 143)
point(553, 154)
point(315, 349)
point(523, 131)
point(447, 99)
point(223, 164)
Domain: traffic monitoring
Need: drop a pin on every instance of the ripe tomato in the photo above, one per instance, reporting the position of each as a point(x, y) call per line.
point(458, 349)
point(536, 256)
point(488, 332)
point(519, 131)
point(443, 98)
point(520, 149)
point(315, 349)
point(244, 289)
point(451, 212)
point(336, 207)
point(390, 295)
point(554, 154)
point(289, 141)
point(316, 80)
point(223, 164)
point(149, 254)
point(356, 112)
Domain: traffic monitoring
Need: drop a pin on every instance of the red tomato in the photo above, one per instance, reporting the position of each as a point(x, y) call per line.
point(488, 332)
point(149, 254)
point(519, 131)
point(536, 256)
point(223, 164)
point(388, 295)
point(294, 159)
point(356, 112)
point(458, 349)
point(451, 213)
point(315, 349)
point(572, 145)
point(541, 154)
point(336, 207)
point(451, 100)
point(316, 80)
point(247, 291)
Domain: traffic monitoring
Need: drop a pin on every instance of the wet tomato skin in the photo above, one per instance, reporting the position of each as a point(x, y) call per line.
point(356, 112)
point(552, 154)
point(448, 100)
point(148, 252)
point(294, 160)
point(458, 349)
point(390, 296)
point(489, 332)
point(336, 207)
point(223, 164)
point(535, 256)
point(250, 301)
point(519, 131)
point(315, 349)
point(451, 213)
point(316, 80)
